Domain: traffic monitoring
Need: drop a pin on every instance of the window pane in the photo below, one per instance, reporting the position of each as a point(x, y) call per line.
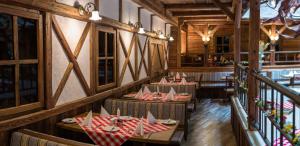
point(6, 37)
point(101, 41)
point(219, 40)
point(226, 49)
point(226, 40)
point(110, 44)
point(7, 87)
point(27, 32)
point(28, 83)
point(101, 72)
point(110, 70)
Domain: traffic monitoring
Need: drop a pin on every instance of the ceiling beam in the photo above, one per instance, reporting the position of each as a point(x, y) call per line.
point(198, 13)
point(211, 18)
point(211, 23)
point(194, 6)
point(156, 9)
point(225, 9)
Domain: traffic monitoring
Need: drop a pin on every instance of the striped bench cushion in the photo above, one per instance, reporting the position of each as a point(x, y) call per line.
point(26, 137)
point(21, 139)
point(139, 109)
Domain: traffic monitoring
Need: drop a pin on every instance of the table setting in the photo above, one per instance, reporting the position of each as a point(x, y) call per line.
point(107, 130)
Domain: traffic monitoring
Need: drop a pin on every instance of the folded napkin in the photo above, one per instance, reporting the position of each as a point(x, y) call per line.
point(170, 96)
point(183, 81)
point(150, 118)
point(177, 75)
point(88, 120)
point(140, 128)
point(146, 90)
point(118, 112)
point(139, 94)
point(163, 81)
point(104, 112)
point(172, 91)
point(184, 75)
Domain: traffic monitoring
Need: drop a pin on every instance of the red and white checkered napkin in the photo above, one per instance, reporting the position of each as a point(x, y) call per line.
point(103, 138)
point(285, 141)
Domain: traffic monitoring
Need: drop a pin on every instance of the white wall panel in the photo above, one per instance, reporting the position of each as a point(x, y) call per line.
point(158, 24)
point(72, 30)
point(130, 12)
point(142, 40)
point(146, 19)
point(109, 8)
point(71, 2)
point(72, 91)
point(127, 37)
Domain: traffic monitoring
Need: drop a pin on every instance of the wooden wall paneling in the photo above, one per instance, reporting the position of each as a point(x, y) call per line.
point(93, 73)
point(73, 64)
point(41, 72)
point(136, 48)
point(120, 10)
point(16, 54)
point(50, 101)
point(14, 123)
point(254, 33)
point(127, 57)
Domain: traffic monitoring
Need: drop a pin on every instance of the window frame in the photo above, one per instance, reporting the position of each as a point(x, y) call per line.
point(100, 88)
point(222, 45)
point(16, 12)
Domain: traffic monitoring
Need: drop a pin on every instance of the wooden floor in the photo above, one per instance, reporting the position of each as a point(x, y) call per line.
point(210, 125)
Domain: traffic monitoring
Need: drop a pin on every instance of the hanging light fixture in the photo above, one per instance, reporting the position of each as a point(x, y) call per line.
point(161, 35)
point(137, 27)
point(88, 8)
point(171, 39)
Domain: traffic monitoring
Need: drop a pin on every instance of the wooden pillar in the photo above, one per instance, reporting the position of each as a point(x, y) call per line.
point(254, 36)
point(272, 49)
point(180, 23)
point(237, 39)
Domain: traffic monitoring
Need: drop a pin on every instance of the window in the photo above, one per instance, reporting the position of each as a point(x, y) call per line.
point(21, 87)
point(222, 44)
point(106, 58)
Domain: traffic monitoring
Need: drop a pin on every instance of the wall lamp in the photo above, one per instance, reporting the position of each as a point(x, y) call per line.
point(274, 37)
point(88, 8)
point(138, 26)
point(205, 39)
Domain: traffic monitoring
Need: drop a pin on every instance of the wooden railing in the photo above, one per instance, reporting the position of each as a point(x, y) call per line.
point(277, 57)
point(242, 85)
point(277, 112)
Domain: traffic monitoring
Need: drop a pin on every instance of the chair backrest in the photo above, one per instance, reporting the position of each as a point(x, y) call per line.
point(27, 137)
point(135, 108)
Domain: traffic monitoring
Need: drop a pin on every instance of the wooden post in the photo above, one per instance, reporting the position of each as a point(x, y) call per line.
point(180, 23)
point(272, 49)
point(120, 10)
point(237, 39)
point(254, 36)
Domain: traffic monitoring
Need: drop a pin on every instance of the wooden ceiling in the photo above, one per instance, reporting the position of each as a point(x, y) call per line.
point(194, 11)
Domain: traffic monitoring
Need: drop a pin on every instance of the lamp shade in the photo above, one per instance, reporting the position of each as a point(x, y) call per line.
point(95, 16)
point(141, 30)
point(171, 39)
point(161, 36)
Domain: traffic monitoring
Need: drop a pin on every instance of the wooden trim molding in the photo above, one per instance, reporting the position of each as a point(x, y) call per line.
point(45, 114)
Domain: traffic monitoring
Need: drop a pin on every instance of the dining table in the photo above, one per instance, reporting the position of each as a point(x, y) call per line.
point(159, 97)
point(154, 134)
